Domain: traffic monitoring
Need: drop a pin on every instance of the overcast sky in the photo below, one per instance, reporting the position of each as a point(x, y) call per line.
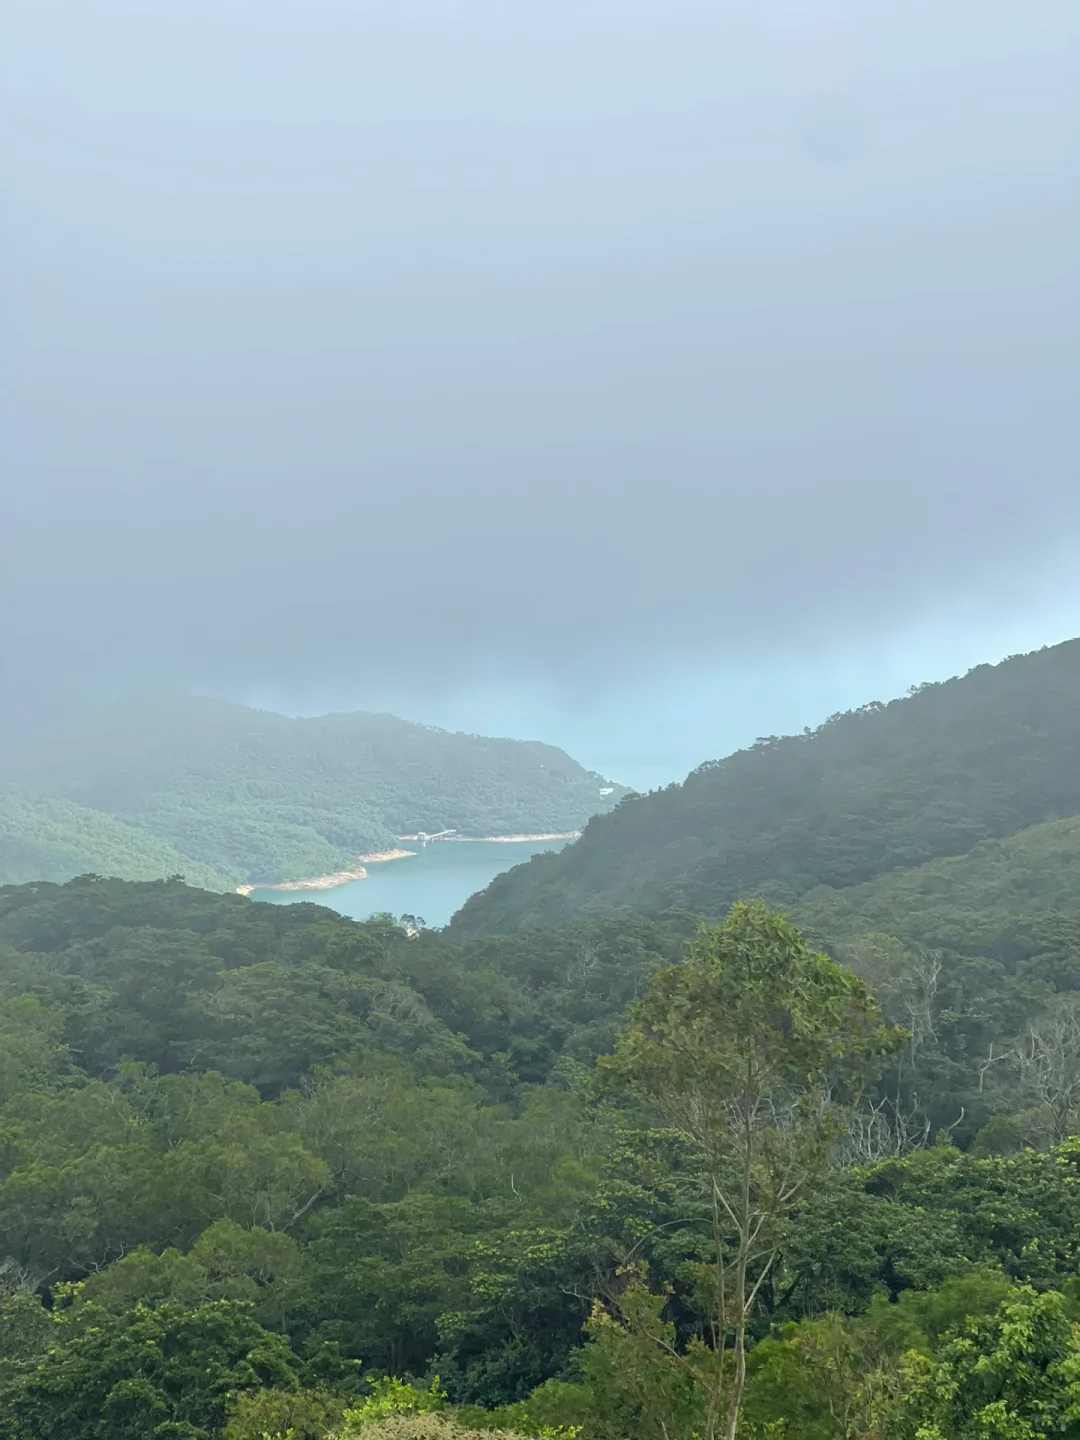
point(642, 376)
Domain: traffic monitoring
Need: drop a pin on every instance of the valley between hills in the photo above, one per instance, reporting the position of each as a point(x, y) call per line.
point(781, 1062)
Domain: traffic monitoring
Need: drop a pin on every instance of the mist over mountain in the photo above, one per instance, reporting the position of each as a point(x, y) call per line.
point(372, 357)
point(240, 795)
point(874, 790)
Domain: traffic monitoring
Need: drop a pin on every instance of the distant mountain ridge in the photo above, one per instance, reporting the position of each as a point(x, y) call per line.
point(871, 792)
point(242, 795)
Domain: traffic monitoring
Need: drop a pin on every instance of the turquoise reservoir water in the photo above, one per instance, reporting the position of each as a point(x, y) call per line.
point(432, 883)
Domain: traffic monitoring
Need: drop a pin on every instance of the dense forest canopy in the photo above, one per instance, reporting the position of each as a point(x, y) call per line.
point(265, 1170)
point(869, 792)
point(164, 784)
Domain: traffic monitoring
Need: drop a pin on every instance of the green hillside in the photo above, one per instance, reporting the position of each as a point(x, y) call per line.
point(45, 837)
point(250, 795)
point(961, 902)
point(873, 791)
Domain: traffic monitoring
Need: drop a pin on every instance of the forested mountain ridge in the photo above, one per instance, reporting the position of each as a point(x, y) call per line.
point(249, 795)
point(883, 788)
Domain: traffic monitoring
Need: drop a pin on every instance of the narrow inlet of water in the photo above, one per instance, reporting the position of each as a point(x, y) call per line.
point(431, 884)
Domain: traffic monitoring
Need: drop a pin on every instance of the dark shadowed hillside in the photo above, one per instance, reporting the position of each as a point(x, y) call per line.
point(249, 795)
point(872, 791)
point(961, 902)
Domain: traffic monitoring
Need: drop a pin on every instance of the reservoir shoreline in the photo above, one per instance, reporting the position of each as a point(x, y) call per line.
point(511, 839)
point(359, 871)
point(331, 882)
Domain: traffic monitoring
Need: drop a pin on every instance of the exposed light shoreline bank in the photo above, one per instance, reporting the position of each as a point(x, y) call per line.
point(359, 872)
point(510, 839)
point(339, 877)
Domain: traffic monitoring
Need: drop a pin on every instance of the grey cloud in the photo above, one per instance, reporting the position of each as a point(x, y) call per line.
point(404, 345)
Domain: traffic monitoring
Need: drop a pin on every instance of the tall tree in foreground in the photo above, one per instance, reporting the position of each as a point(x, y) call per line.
point(751, 1051)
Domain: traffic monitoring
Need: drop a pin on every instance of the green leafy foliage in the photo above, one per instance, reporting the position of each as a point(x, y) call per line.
point(749, 1049)
point(428, 1425)
point(1014, 1373)
point(390, 1396)
point(161, 1371)
point(261, 1166)
point(269, 1414)
point(382, 1142)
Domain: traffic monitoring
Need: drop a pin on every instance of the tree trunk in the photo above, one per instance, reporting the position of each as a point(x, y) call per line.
point(738, 1379)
